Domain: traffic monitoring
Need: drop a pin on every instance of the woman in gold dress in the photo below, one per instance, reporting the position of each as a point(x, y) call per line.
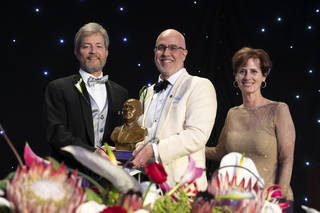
point(261, 128)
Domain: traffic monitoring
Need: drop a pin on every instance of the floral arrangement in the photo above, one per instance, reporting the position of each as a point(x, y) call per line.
point(48, 186)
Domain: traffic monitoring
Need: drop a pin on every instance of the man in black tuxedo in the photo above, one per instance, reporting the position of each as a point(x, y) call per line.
point(82, 109)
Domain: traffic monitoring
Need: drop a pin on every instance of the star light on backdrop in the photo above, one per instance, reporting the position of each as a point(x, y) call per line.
point(283, 18)
point(45, 73)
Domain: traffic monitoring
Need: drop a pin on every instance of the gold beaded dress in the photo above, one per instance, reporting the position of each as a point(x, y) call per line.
point(265, 134)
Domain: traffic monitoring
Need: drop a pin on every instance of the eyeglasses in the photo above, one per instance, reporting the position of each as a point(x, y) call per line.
point(171, 47)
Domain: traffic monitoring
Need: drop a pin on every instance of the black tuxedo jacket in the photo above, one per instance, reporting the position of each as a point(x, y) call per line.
point(68, 115)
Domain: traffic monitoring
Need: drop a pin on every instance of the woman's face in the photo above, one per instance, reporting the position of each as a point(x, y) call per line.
point(249, 77)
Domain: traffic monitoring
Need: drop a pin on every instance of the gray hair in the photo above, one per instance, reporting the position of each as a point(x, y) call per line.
point(89, 29)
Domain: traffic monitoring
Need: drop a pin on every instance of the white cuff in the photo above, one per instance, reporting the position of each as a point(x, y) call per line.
point(155, 152)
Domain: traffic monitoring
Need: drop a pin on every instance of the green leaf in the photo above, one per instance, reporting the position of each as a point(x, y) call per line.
point(167, 204)
point(236, 196)
point(3, 182)
point(113, 196)
point(91, 195)
point(5, 209)
point(56, 164)
point(111, 155)
point(143, 92)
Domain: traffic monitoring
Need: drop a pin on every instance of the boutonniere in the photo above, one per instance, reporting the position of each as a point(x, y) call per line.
point(142, 95)
point(78, 86)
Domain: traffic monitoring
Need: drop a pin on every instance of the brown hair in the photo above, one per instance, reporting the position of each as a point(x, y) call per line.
point(242, 56)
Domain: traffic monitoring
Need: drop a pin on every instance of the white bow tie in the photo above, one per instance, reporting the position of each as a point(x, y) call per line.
point(92, 81)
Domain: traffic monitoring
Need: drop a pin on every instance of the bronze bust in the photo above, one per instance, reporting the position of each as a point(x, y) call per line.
point(126, 136)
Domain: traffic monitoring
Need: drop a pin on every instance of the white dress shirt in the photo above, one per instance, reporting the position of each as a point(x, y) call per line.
point(155, 109)
point(98, 92)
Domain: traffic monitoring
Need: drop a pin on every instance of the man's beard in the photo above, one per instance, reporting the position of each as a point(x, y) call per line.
point(93, 69)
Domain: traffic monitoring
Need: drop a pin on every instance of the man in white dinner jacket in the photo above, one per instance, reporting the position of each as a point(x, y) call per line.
point(179, 112)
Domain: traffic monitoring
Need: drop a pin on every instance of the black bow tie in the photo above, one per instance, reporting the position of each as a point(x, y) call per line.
point(161, 85)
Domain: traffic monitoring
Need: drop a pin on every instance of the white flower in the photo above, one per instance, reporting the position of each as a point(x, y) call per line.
point(90, 207)
point(308, 209)
point(4, 202)
point(269, 207)
point(142, 211)
point(77, 85)
point(152, 195)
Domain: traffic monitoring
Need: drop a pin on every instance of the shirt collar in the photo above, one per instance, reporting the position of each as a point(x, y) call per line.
point(172, 79)
point(85, 75)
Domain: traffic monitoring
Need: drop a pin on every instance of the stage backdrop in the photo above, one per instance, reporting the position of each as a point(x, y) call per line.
point(39, 48)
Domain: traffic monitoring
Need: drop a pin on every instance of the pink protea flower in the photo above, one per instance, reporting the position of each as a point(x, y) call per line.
point(237, 185)
point(203, 203)
point(235, 195)
point(274, 194)
point(131, 201)
point(30, 156)
point(41, 188)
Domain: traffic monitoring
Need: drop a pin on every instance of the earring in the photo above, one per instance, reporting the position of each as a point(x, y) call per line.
point(263, 84)
point(235, 84)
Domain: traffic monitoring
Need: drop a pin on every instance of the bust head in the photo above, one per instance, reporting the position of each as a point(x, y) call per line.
point(131, 110)
point(127, 135)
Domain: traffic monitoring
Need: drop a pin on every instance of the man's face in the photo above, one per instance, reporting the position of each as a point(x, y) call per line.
point(92, 54)
point(169, 58)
